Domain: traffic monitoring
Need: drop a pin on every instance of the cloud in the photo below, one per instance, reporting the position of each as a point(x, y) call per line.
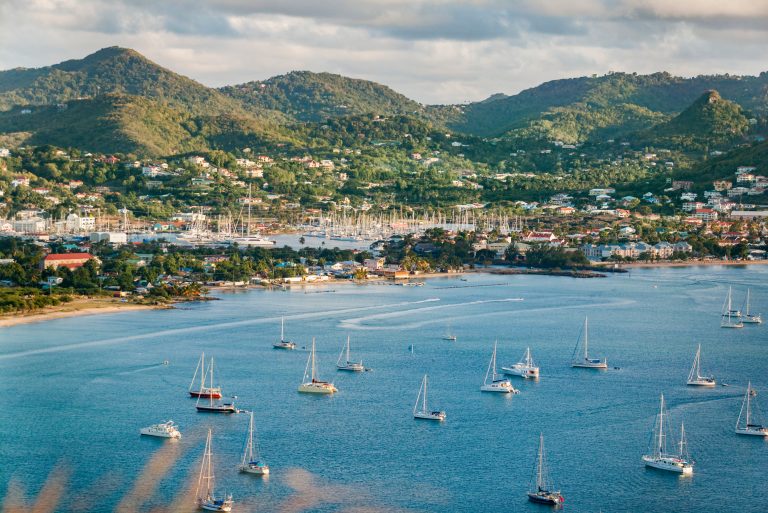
point(432, 50)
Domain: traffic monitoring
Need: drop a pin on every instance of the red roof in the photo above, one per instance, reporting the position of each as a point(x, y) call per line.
point(67, 256)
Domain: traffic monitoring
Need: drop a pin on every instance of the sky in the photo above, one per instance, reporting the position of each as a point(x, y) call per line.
point(434, 51)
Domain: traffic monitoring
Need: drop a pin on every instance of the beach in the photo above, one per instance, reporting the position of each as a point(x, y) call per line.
point(76, 308)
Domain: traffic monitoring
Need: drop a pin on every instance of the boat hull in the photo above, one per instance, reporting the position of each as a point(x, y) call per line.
point(160, 434)
point(669, 465)
point(752, 320)
point(215, 505)
point(587, 365)
point(522, 372)
point(352, 367)
point(753, 432)
point(262, 470)
point(433, 416)
point(550, 499)
point(287, 346)
point(205, 395)
point(732, 326)
point(217, 409)
point(702, 383)
point(317, 388)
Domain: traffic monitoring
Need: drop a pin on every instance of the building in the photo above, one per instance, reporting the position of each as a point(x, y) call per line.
point(69, 260)
point(109, 237)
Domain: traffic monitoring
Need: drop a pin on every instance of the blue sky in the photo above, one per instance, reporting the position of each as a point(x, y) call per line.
point(434, 51)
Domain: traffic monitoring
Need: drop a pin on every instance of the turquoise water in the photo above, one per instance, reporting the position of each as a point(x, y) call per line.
point(78, 390)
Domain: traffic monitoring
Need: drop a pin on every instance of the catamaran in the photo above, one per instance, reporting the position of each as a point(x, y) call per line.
point(586, 361)
point(730, 318)
point(694, 377)
point(420, 409)
point(659, 458)
point(543, 492)
point(345, 364)
point(202, 390)
point(496, 383)
point(311, 385)
point(525, 368)
point(205, 496)
point(751, 426)
point(282, 343)
point(252, 463)
point(162, 430)
point(748, 317)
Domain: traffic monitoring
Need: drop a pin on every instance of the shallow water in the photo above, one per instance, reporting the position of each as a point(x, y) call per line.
point(78, 390)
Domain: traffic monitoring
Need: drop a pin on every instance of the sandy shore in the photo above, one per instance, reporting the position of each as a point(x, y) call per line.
point(76, 308)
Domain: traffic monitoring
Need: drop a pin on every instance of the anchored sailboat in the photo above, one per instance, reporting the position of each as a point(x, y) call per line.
point(525, 368)
point(203, 390)
point(310, 384)
point(205, 496)
point(730, 318)
point(252, 463)
point(751, 425)
point(543, 492)
point(748, 317)
point(449, 334)
point(345, 364)
point(282, 343)
point(694, 377)
point(421, 410)
point(659, 458)
point(585, 361)
point(496, 382)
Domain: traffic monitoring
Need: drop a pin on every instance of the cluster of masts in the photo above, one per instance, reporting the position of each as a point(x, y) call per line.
point(735, 318)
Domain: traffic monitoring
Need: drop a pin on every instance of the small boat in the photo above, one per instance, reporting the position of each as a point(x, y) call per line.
point(751, 426)
point(585, 361)
point(496, 383)
point(216, 407)
point(449, 334)
point(730, 318)
point(282, 343)
point(420, 409)
point(543, 492)
point(344, 363)
point(205, 496)
point(203, 390)
point(659, 458)
point(162, 430)
point(310, 384)
point(252, 463)
point(694, 377)
point(525, 368)
point(748, 317)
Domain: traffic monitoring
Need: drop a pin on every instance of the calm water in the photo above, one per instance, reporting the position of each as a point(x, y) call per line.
point(78, 390)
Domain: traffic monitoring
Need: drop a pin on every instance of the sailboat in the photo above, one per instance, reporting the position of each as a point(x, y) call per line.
point(694, 377)
point(543, 493)
point(420, 409)
point(497, 383)
point(345, 364)
point(202, 390)
point(659, 458)
point(750, 425)
point(586, 361)
point(730, 318)
point(284, 344)
point(311, 385)
point(749, 317)
point(525, 368)
point(205, 496)
point(449, 334)
point(214, 405)
point(252, 463)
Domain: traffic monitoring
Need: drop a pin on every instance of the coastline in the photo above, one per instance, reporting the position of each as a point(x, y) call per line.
point(686, 263)
point(76, 308)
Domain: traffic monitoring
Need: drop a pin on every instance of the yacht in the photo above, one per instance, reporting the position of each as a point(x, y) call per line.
point(694, 377)
point(494, 382)
point(730, 318)
point(525, 368)
point(659, 458)
point(282, 343)
point(421, 410)
point(203, 389)
point(751, 425)
point(252, 463)
point(749, 317)
point(310, 384)
point(205, 495)
point(162, 430)
point(217, 406)
point(345, 364)
point(543, 493)
point(585, 361)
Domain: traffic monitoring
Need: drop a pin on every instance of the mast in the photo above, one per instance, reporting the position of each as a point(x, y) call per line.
point(282, 329)
point(695, 368)
point(493, 362)
point(206, 478)
point(660, 440)
point(347, 348)
point(540, 473)
point(194, 377)
point(424, 399)
point(682, 439)
point(312, 356)
point(586, 338)
point(528, 362)
point(746, 309)
point(248, 453)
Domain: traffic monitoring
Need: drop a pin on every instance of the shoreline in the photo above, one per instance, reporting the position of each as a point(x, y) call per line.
point(75, 308)
point(686, 263)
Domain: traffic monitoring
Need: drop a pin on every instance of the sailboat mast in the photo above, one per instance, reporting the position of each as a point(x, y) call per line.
point(313, 358)
point(586, 338)
point(682, 439)
point(424, 399)
point(749, 393)
point(347, 348)
point(660, 443)
point(250, 439)
point(282, 329)
point(746, 309)
point(540, 475)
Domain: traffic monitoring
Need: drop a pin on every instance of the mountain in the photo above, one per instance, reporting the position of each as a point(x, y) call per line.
point(710, 121)
point(316, 97)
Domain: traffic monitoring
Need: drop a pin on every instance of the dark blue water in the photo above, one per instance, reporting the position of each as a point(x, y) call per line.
point(76, 392)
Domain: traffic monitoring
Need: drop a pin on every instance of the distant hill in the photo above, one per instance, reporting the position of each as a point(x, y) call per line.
point(316, 97)
point(724, 166)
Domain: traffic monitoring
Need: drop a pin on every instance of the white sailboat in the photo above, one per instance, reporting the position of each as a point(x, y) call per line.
point(494, 382)
point(585, 361)
point(694, 377)
point(345, 364)
point(205, 496)
point(421, 410)
point(282, 343)
point(252, 463)
point(542, 493)
point(751, 425)
point(659, 458)
point(310, 384)
point(749, 317)
point(204, 390)
point(525, 368)
point(730, 318)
